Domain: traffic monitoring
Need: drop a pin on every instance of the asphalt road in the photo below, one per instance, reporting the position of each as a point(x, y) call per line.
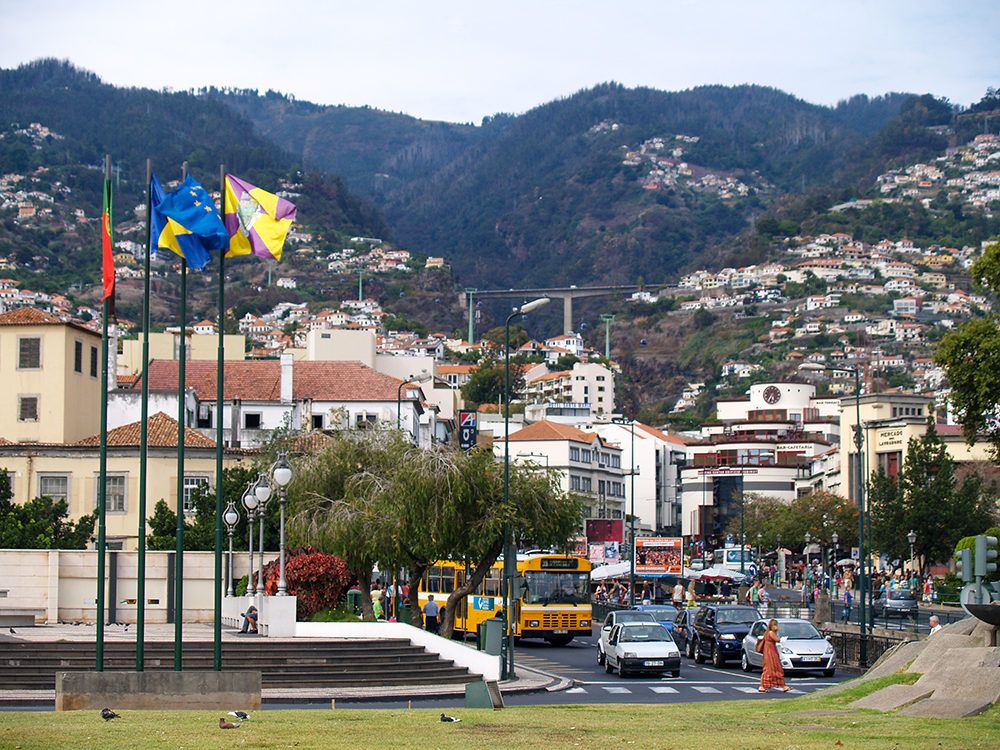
point(578, 661)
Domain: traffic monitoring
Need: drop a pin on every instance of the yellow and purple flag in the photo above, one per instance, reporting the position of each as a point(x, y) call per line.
point(257, 221)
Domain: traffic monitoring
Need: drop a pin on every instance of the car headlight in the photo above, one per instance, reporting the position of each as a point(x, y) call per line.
point(584, 623)
point(829, 650)
point(786, 650)
point(533, 623)
point(629, 655)
point(727, 637)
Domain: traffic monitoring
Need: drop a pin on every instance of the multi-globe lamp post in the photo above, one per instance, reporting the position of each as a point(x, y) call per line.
point(631, 575)
point(282, 473)
point(262, 492)
point(912, 539)
point(231, 518)
point(509, 565)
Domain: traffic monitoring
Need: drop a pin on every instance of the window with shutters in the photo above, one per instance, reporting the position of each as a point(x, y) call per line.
point(78, 356)
point(29, 353)
point(27, 408)
point(94, 359)
point(55, 486)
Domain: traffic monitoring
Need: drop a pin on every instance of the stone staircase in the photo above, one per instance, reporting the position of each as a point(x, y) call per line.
point(301, 663)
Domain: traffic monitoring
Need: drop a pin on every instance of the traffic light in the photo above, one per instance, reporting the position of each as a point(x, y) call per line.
point(963, 565)
point(985, 551)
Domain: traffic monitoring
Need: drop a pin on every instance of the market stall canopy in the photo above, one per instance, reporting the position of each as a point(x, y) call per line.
point(717, 571)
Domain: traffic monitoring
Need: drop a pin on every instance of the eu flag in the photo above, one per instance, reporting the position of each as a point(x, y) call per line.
point(187, 222)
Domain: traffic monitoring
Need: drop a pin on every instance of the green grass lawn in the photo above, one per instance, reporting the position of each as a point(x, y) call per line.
point(737, 725)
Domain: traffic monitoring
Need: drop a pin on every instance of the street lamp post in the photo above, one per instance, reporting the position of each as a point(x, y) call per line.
point(250, 503)
point(912, 538)
point(808, 538)
point(283, 474)
point(231, 518)
point(262, 491)
point(858, 443)
point(509, 566)
point(631, 575)
point(835, 537)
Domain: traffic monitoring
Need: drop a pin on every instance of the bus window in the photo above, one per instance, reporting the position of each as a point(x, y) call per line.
point(440, 579)
point(552, 587)
point(491, 583)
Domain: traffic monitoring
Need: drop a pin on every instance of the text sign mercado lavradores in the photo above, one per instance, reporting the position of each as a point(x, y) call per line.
point(659, 555)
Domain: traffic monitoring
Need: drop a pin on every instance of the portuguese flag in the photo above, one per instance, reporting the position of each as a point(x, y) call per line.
point(109, 251)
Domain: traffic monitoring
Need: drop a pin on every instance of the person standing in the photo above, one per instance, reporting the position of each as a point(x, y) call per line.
point(677, 597)
point(431, 611)
point(935, 623)
point(773, 674)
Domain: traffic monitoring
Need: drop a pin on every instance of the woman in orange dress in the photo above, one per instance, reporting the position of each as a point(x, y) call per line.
point(773, 674)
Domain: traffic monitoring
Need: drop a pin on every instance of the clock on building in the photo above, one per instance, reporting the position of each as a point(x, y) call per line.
point(772, 394)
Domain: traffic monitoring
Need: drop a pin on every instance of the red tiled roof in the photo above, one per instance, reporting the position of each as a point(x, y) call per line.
point(161, 433)
point(260, 380)
point(545, 430)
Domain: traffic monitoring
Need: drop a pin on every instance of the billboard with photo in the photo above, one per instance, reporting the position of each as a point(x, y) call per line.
point(605, 530)
point(659, 555)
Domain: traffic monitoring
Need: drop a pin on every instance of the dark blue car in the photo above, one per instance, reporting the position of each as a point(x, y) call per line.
point(719, 631)
point(662, 613)
point(683, 631)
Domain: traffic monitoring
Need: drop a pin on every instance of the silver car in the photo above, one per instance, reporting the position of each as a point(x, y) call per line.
point(802, 648)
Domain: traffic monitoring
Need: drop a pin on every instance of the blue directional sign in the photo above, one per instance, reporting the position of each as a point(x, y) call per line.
point(484, 603)
point(752, 570)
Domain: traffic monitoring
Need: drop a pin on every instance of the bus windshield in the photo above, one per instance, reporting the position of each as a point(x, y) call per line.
point(556, 587)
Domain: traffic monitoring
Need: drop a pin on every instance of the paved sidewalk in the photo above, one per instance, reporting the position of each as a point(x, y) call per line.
point(526, 680)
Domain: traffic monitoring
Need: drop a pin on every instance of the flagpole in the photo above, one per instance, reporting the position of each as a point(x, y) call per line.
point(102, 483)
point(219, 381)
point(181, 411)
point(140, 613)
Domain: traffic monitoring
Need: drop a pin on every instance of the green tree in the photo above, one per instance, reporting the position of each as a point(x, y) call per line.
point(928, 499)
point(40, 523)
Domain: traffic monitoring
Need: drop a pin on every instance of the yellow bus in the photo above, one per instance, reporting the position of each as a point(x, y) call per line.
point(555, 606)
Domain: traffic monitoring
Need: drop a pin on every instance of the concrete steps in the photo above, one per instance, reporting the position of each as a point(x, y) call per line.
point(283, 664)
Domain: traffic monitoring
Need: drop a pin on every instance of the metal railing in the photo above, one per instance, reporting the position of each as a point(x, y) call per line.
point(847, 646)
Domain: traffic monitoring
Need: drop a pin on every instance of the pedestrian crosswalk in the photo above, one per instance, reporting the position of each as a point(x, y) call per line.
point(679, 688)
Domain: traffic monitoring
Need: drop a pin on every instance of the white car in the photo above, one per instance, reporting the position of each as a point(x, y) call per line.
point(802, 648)
point(615, 617)
point(642, 647)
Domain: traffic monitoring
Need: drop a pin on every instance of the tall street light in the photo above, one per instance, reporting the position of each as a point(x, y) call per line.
point(262, 491)
point(250, 503)
point(631, 575)
point(283, 474)
point(832, 560)
point(859, 443)
point(509, 566)
point(912, 539)
point(231, 518)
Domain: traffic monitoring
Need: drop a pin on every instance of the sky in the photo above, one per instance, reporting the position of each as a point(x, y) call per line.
point(463, 60)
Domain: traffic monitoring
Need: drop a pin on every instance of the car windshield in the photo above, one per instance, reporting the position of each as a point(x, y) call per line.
point(736, 616)
point(633, 616)
point(903, 594)
point(798, 631)
point(644, 633)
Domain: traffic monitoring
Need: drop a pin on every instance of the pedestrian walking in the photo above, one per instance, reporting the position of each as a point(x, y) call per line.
point(431, 611)
point(773, 674)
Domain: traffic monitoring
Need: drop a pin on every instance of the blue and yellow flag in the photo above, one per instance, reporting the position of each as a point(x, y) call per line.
point(187, 222)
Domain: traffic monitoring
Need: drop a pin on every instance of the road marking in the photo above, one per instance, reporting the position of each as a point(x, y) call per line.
point(576, 690)
point(617, 690)
point(747, 689)
point(663, 690)
point(705, 689)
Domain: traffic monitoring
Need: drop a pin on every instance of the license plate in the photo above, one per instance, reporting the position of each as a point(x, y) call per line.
point(810, 658)
point(560, 632)
point(648, 663)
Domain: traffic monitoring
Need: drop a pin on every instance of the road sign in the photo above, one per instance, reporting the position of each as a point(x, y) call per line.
point(752, 570)
point(483, 603)
point(468, 431)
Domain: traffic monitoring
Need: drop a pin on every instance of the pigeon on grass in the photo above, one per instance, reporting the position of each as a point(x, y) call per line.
point(223, 724)
point(449, 718)
point(241, 715)
point(107, 714)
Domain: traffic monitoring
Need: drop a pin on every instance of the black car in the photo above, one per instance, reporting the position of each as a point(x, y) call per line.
point(719, 631)
point(683, 631)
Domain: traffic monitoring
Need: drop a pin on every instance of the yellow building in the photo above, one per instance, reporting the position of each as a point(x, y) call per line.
point(71, 472)
point(200, 346)
point(52, 372)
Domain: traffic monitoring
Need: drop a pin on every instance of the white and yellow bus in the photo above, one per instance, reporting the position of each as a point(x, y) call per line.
point(555, 606)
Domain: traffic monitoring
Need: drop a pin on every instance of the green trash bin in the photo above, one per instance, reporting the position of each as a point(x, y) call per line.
point(404, 613)
point(354, 601)
point(492, 635)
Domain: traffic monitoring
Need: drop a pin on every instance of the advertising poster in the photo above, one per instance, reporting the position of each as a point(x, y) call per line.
point(612, 553)
point(605, 530)
point(659, 555)
point(596, 556)
point(578, 547)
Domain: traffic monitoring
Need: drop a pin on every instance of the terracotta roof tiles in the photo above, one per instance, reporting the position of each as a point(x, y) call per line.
point(161, 433)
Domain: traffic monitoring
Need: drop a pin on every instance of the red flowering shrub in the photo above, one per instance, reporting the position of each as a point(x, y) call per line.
point(319, 581)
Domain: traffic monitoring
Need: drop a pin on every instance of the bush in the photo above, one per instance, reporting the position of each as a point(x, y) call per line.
point(318, 580)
